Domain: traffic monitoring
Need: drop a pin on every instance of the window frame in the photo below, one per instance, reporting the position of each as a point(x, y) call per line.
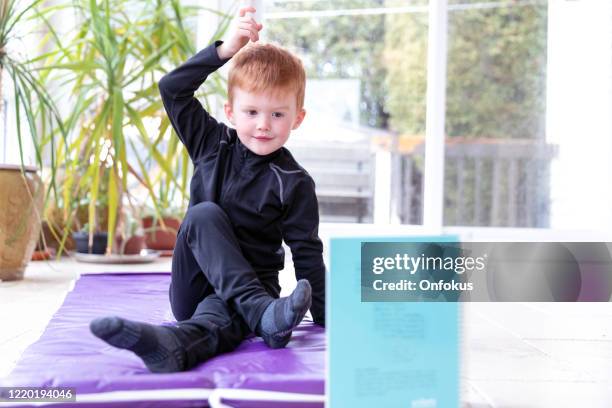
point(433, 196)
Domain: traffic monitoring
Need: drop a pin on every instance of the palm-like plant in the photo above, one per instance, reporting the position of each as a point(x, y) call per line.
point(34, 107)
point(36, 118)
point(118, 130)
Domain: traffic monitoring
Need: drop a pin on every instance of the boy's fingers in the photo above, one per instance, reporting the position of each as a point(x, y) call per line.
point(245, 32)
point(247, 26)
point(249, 20)
point(245, 10)
point(250, 27)
point(252, 35)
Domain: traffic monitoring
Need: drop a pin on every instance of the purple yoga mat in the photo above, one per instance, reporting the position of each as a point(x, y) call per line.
point(68, 355)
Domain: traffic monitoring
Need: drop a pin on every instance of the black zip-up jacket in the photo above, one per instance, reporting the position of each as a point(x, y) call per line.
point(268, 199)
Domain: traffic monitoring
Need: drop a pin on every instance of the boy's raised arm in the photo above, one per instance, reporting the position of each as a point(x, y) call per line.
point(199, 131)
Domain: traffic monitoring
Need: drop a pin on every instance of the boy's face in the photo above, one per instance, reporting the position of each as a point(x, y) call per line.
point(263, 121)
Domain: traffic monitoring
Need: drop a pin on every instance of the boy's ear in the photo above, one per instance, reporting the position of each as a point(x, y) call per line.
point(229, 112)
point(298, 119)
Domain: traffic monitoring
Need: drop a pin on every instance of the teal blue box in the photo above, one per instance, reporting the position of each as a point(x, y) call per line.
point(387, 354)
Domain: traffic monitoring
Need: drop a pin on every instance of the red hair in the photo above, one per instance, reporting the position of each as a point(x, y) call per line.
point(267, 67)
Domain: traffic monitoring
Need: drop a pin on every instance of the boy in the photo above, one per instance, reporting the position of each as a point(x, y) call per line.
point(247, 195)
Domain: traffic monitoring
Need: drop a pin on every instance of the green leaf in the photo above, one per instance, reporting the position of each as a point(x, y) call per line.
point(113, 205)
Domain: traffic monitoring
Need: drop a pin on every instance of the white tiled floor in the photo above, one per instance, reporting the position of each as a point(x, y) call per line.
point(513, 354)
point(538, 354)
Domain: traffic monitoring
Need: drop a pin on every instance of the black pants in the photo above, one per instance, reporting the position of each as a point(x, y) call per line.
point(216, 295)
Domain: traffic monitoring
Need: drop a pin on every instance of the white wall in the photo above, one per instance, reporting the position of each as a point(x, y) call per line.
point(579, 111)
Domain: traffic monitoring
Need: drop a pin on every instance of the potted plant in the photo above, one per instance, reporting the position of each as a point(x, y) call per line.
point(90, 244)
point(130, 239)
point(161, 232)
point(134, 240)
point(21, 188)
point(112, 64)
point(170, 197)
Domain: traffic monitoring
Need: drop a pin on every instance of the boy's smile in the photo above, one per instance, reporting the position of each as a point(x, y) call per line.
point(264, 121)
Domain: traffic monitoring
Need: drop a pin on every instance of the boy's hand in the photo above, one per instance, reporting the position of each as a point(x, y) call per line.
point(246, 29)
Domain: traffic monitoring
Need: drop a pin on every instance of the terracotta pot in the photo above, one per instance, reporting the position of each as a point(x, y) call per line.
point(42, 255)
point(132, 246)
point(21, 198)
point(158, 238)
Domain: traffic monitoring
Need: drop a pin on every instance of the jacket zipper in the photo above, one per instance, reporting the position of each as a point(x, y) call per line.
point(233, 178)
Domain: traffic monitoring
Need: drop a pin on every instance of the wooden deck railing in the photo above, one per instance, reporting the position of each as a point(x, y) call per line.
point(488, 182)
